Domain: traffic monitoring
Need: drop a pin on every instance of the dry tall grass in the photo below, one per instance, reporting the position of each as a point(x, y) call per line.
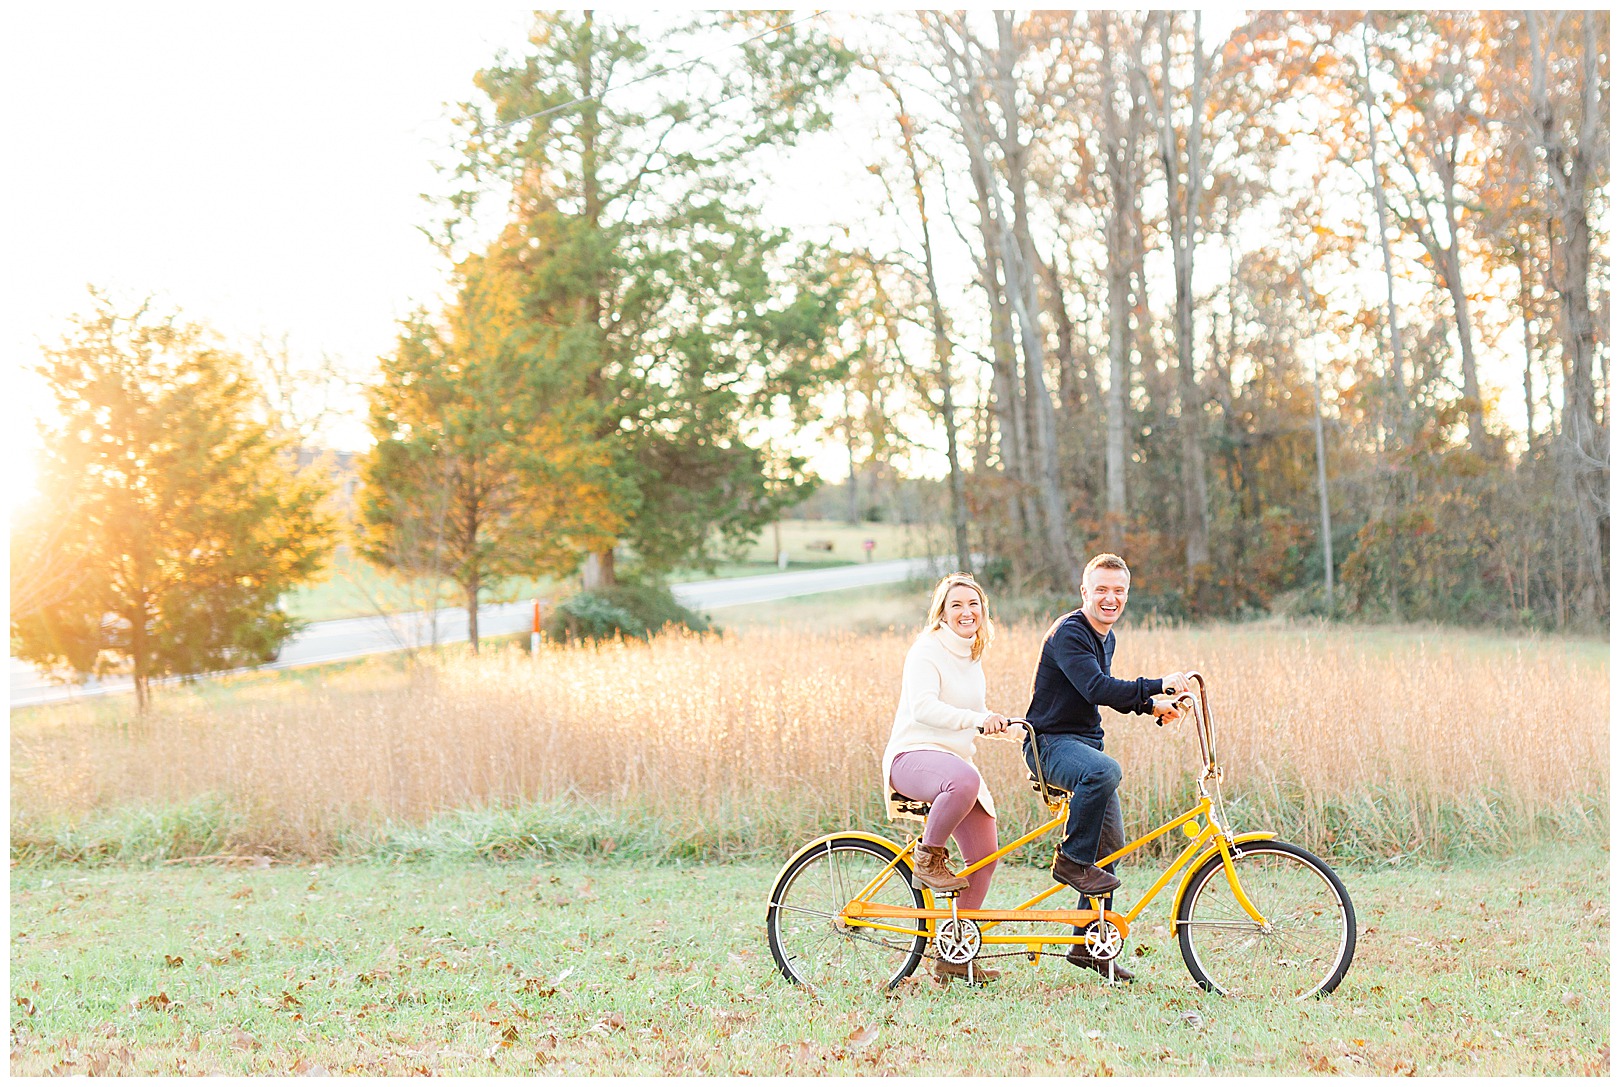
point(1355, 742)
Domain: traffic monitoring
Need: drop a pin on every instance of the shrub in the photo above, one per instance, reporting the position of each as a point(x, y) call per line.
point(630, 609)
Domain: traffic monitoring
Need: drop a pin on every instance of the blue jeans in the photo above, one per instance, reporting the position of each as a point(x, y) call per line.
point(1096, 825)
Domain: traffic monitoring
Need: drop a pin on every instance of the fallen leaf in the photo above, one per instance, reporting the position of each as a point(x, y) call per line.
point(1193, 1020)
point(861, 1037)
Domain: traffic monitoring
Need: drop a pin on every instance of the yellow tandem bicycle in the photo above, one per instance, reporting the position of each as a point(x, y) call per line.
point(1254, 916)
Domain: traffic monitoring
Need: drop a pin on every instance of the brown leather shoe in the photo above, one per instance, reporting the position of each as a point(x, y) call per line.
point(944, 972)
point(1088, 879)
point(932, 870)
point(1082, 958)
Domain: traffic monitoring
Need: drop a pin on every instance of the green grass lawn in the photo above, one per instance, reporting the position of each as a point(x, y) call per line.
point(1496, 967)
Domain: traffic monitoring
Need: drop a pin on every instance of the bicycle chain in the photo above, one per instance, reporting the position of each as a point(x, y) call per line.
point(976, 958)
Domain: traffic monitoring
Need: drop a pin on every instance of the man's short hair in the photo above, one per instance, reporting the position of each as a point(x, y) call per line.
point(1106, 561)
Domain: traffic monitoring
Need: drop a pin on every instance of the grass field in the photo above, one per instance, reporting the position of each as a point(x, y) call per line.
point(559, 866)
point(1361, 744)
point(353, 587)
point(1491, 967)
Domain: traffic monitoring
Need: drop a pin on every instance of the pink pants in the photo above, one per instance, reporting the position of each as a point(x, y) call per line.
point(952, 787)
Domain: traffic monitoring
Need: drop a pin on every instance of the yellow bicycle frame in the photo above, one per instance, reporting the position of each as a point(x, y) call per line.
point(1199, 823)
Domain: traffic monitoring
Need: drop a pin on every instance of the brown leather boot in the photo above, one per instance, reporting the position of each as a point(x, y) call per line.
point(932, 870)
point(1082, 958)
point(945, 972)
point(1088, 879)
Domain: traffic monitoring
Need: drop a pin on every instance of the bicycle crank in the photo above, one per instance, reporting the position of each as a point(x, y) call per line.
point(957, 940)
point(1102, 940)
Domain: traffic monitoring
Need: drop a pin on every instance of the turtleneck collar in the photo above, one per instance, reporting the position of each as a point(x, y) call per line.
point(954, 642)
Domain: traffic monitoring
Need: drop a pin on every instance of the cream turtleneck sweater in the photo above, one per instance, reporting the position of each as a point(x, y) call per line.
point(941, 704)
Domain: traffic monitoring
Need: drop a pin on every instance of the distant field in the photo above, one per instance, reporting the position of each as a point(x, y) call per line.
point(1362, 744)
point(1489, 968)
point(353, 587)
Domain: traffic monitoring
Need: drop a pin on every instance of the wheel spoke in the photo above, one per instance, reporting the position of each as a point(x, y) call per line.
point(813, 945)
point(1311, 925)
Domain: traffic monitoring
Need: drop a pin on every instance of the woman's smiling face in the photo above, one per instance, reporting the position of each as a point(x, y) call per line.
point(964, 611)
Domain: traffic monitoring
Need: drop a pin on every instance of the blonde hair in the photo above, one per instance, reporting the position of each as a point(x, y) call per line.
point(936, 610)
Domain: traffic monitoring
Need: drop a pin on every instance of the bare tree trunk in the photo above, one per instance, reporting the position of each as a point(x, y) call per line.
point(471, 589)
point(1069, 369)
point(1321, 446)
point(1017, 250)
point(1181, 211)
point(1118, 164)
point(1472, 404)
point(598, 568)
point(597, 571)
point(942, 342)
point(140, 666)
point(1584, 460)
point(1396, 368)
point(1019, 259)
point(1006, 388)
point(849, 447)
point(1521, 263)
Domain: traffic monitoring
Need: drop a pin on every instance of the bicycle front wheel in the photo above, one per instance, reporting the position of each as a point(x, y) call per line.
point(814, 946)
point(1302, 950)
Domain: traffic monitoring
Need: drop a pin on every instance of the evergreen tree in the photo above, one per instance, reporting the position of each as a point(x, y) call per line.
point(480, 470)
point(181, 518)
point(665, 319)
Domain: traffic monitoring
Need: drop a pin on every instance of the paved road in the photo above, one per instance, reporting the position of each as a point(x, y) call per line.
point(340, 639)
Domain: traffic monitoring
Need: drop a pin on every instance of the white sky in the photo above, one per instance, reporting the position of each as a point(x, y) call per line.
point(259, 168)
point(256, 166)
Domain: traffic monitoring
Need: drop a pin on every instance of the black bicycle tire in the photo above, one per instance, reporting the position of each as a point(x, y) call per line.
point(1185, 932)
point(884, 854)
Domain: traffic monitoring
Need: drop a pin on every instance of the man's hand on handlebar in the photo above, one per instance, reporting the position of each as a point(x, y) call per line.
point(1175, 682)
point(1165, 709)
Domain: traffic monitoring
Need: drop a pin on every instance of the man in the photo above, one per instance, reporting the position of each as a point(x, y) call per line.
point(1071, 681)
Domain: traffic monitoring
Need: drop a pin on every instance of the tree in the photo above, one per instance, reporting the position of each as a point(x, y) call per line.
point(937, 325)
point(983, 84)
point(1569, 122)
point(1182, 215)
point(667, 320)
point(179, 513)
point(1124, 131)
point(1433, 123)
point(480, 471)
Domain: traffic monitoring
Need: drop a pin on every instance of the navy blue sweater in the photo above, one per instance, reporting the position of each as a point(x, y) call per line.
point(1072, 680)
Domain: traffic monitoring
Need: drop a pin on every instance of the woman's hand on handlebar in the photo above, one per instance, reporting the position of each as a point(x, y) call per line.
point(994, 725)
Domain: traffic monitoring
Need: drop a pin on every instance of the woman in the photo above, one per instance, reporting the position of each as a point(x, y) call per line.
point(930, 752)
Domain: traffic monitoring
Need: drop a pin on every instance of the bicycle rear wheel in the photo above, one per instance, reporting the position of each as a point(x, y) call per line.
point(1308, 941)
point(813, 946)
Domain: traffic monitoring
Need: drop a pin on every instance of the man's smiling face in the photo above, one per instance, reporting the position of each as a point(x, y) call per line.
point(1105, 593)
